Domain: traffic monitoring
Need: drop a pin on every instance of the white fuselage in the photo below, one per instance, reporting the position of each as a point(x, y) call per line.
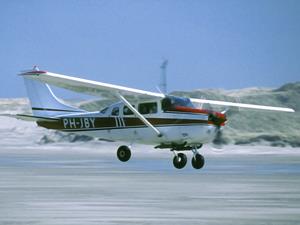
point(176, 127)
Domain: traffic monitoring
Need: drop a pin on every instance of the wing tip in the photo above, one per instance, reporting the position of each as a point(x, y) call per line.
point(31, 73)
point(286, 110)
point(34, 71)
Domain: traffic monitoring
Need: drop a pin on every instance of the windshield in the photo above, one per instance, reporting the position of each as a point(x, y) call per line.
point(171, 102)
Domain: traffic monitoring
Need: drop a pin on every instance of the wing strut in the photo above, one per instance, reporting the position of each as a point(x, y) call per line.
point(140, 116)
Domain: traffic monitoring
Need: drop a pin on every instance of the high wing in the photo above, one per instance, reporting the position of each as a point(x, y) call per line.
point(241, 105)
point(111, 91)
point(90, 87)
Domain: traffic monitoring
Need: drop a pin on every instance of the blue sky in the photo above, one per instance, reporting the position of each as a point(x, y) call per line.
point(209, 44)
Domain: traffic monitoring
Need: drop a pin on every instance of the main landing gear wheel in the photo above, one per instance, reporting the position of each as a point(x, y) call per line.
point(198, 161)
point(179, 160)
point(124, 153)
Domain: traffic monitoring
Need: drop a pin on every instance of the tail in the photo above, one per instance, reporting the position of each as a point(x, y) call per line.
point(43, 102)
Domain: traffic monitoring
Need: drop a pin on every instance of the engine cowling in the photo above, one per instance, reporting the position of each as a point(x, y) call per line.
point(217, 118)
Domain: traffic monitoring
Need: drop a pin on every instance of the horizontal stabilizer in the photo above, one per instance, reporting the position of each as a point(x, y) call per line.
point(30, 117)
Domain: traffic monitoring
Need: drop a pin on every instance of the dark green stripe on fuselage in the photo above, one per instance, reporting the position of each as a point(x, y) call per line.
point(97, 123)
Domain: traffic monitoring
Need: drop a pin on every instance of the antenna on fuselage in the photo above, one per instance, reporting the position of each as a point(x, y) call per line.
point(163, 77)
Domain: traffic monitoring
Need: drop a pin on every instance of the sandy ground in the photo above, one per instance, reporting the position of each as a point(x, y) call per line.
point(84, 183)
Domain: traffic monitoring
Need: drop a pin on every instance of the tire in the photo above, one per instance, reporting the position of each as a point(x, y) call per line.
point(179, 161)
point(198, 161)
point(124, 153)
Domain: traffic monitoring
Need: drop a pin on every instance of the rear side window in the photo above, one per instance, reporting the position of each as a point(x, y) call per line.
point(115, 111)
point(127, 111)
point(148, 108)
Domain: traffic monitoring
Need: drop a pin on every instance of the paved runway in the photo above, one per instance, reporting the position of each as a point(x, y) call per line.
point(72, 184)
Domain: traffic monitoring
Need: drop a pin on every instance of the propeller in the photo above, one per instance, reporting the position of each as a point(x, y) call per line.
point(219, 141)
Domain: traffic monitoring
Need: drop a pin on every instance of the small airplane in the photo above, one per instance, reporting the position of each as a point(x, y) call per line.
point(138, 116)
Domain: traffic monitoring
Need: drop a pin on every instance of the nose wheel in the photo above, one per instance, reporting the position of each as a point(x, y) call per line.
point(198, 161)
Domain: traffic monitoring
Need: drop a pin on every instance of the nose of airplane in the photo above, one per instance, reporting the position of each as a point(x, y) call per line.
point(218, 118)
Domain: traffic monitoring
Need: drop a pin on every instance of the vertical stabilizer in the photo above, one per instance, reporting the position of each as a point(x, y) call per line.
point(43, 102)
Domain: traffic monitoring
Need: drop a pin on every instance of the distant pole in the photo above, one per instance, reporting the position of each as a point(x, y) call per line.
point(163, 78)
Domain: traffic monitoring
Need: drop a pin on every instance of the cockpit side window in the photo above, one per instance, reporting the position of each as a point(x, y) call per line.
point(115, 111)
point(166, 104)
point(148, 108)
